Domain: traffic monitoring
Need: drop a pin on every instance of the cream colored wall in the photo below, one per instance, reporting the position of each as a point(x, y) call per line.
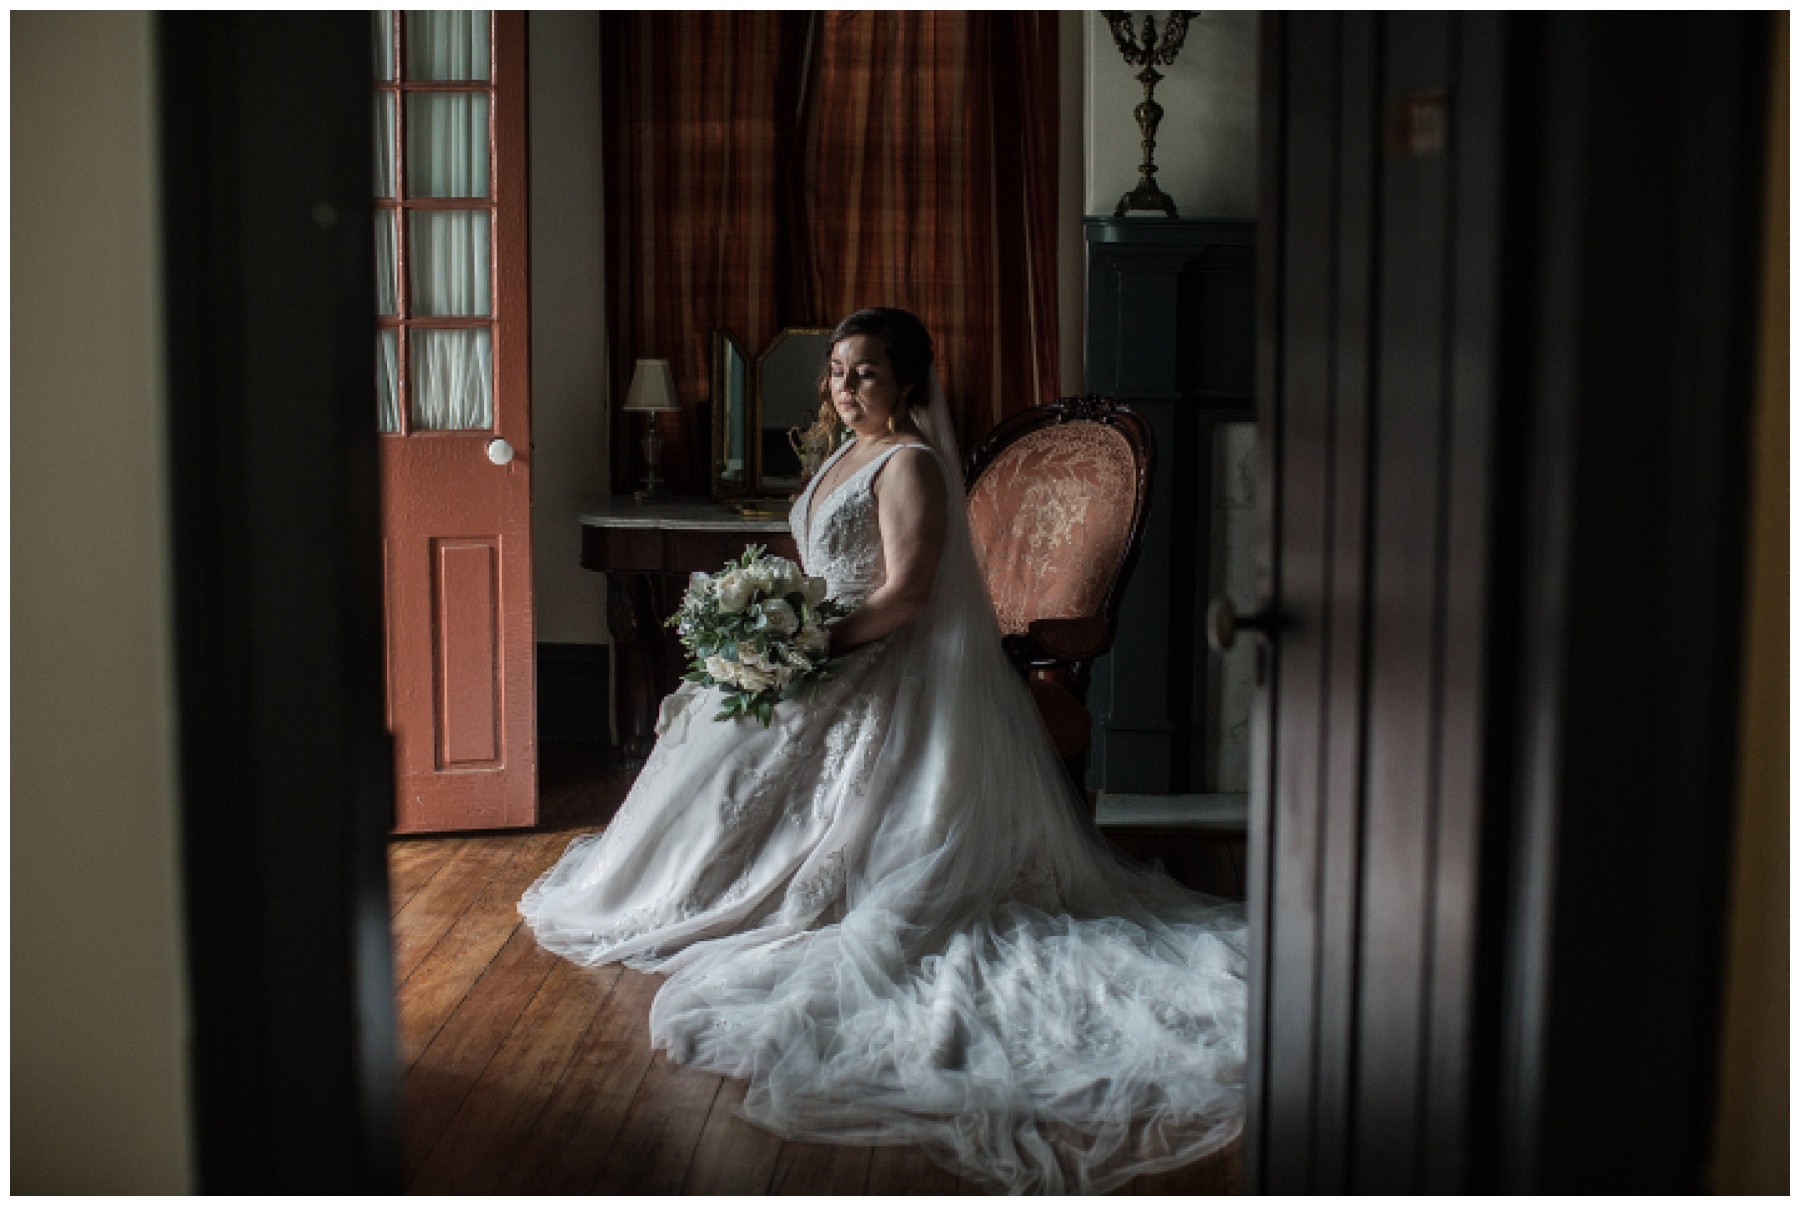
point(99, 1014)
point(1206, 145)
point(568, 341)
point(1750, 1153)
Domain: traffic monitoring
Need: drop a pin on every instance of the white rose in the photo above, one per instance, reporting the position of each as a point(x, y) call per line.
point(777, 616)
point(786, 576)
point(752, 656)
point(735, 589)
point(815, 589)
point(721, 670)
point(813, 640)
point(752, 678)
point(759, 577)
point(784, 675)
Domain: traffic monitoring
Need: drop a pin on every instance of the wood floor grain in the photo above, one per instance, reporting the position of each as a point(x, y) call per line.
point(411, 864)
point(655, 1145)
point(568, 1146)
point(732, 1156)
point(524, 1073)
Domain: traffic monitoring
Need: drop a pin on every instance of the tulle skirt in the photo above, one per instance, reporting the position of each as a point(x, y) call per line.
point(887, 914)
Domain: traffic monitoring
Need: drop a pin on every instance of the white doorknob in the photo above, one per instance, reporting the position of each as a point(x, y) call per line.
point(499, 451)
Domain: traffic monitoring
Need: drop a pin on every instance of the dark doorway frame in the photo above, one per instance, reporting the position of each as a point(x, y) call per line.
point(286, 782)
point(1520, 251)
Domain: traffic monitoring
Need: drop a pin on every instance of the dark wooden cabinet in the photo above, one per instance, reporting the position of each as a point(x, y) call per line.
point(1171, 330)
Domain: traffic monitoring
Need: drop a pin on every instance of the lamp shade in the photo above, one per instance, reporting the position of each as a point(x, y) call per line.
point(652, 387)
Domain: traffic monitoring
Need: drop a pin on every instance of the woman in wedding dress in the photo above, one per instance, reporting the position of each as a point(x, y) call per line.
point(886, 911)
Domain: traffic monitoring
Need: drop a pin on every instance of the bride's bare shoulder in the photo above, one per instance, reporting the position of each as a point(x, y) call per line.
point(910, 473)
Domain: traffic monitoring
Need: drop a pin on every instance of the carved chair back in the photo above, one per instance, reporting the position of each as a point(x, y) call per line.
point(1058, 496)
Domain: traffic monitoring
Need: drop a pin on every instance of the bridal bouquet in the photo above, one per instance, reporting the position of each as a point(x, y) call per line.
point(757, 630)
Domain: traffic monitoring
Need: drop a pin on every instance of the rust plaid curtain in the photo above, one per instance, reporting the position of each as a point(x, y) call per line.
point(698, 112)
point(922, 173)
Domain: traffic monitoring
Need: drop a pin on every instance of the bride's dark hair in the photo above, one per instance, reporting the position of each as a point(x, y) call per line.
point(909, 350)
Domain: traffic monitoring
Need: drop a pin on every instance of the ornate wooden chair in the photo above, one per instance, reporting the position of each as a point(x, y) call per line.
point(1058, 495)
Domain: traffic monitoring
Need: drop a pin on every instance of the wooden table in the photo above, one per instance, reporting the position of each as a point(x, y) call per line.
point(647, 551)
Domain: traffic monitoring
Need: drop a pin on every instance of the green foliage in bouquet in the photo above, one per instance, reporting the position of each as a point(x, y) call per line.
point(757, 630)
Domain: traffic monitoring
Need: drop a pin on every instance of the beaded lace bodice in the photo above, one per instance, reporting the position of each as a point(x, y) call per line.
point(842, 541)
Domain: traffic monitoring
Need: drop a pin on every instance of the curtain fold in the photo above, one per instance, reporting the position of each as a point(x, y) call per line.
point(450, 272)
point(447, 144)
point(387, 380)
point(922, 174)
point(930, 149)
point(453, 378)
point(693, 139)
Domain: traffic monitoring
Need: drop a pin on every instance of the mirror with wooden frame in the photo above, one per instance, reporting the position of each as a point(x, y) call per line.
point(733, 466)
point(784, 399)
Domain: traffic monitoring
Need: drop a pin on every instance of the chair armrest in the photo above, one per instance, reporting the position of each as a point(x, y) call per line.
point(1072, 640)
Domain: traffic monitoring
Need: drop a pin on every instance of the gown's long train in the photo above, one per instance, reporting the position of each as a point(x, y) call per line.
point(886, 914)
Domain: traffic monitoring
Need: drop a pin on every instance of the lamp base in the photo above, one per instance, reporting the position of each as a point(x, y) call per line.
point(653, 488)
point(1146, 196)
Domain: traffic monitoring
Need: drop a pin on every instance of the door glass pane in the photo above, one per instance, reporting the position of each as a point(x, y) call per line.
point(384, 45)
point(447, 144)
point(386, 302)
point(447, 263)
point(387, 380)
point(452, 379)
point(384, 144)
point(447, 45)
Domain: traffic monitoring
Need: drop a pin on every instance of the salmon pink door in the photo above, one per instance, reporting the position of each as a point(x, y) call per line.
point(453, 391)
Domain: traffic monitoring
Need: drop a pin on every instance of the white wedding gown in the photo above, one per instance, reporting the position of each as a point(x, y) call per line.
point(888, 915)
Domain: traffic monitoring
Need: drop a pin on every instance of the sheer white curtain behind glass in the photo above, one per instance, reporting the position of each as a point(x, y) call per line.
point(447, 45)
point(384, 144)
point(387, 342)
point(384, 44)
point(387, 302)
point(449, 272)
point(449, 252)
point(447, 144)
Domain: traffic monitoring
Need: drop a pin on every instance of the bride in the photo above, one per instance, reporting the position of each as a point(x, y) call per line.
point(885, 911)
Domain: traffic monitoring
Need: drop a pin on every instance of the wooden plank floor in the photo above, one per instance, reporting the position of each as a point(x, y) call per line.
point(527, 1074)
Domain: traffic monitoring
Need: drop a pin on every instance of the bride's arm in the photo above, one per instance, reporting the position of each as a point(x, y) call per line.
point(909, 496)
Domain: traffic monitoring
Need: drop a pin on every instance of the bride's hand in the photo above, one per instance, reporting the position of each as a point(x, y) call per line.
point(910, 499)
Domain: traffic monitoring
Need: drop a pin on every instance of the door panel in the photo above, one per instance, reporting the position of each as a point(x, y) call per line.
point(460, 633)
point(467, 654)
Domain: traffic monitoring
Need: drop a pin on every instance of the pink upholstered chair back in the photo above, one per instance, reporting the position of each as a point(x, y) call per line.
point(1056, 502)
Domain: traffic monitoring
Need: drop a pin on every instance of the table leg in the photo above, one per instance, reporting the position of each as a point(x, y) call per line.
point(636, 642)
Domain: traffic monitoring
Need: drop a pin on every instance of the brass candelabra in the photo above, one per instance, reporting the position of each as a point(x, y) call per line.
point(1146, 52)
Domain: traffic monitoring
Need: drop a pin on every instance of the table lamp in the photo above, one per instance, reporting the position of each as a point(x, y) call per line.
point(653, 393)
